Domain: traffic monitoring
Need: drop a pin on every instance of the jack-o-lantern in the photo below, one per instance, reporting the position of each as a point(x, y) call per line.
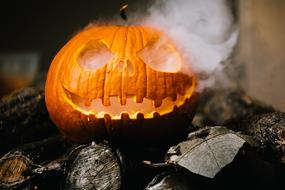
point(122, 83)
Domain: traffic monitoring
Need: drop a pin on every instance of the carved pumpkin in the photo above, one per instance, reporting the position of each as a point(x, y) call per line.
point(119, 82)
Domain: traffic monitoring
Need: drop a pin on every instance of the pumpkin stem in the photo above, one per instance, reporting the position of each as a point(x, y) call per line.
point(123, 12)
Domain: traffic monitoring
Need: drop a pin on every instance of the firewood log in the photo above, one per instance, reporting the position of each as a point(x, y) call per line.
point(269, 130)
point(94, 167)
point(226, 106)
point(173, 179)
point(25, 163)
point(207, 151)
point(23, 118)
point(218, 158)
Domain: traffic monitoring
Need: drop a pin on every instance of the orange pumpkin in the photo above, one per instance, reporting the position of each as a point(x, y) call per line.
point(120, 83)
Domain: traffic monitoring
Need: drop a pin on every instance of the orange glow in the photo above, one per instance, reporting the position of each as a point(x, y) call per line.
point(108, 79)
point(132, 108)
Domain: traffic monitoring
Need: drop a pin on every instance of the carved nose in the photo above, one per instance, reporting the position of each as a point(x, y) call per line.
point(126, 66)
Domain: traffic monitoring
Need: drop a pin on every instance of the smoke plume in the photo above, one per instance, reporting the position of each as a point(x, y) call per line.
point(204, 30)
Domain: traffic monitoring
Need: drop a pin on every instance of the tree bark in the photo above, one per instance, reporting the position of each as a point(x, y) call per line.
point(269, 130)
point(28, 161)
point(23, 118)
point(226, 106)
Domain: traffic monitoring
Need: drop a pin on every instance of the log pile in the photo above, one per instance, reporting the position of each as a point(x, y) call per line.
point(238, 143)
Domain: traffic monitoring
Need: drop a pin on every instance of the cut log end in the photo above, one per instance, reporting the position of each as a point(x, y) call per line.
point(207, 151)
point(94, 167)
point(12, 168)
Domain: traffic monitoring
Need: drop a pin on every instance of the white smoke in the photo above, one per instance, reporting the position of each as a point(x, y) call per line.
point(203, 30)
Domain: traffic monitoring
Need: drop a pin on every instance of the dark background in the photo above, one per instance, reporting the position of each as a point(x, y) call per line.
point(45, 26)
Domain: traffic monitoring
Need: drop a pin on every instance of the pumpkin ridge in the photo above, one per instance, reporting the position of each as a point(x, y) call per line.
point(124, 72)
point(59, 75)
point(114, 35)
point(140, 83)
point(141, 36)
point(67, 66)
point(76, 41)
point(87, 87)
point(101, 92)
point(110, 68)
point(140, 100)
point(105, 96)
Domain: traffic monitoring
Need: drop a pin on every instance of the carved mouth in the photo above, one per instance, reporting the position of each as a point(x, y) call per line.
point(132, 108)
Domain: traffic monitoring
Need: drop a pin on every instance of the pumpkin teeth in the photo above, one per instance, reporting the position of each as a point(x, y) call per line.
point(175, 107)
point(138, 99)
point(135, 100)
point(125, 116)
point(107, 118)
point(139, 116)
point(106, 101)
point(92, 117)
point(146, 109)
point(155, 115)
point(174, 97)
point(102, 115)
point(88, 102)
point(123, 100)
point(157, 103)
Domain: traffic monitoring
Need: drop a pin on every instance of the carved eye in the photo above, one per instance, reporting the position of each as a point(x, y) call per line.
point(94, 55)
point(161, 56)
